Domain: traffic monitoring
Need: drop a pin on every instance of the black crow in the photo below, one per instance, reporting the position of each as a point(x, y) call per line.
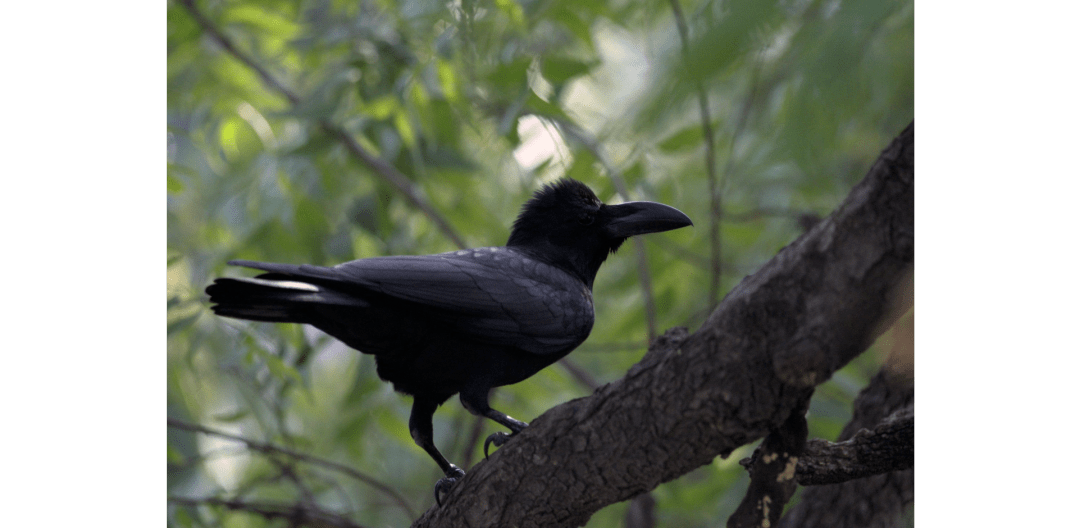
point(461, 322)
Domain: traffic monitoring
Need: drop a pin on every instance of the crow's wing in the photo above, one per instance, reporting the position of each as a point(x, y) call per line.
point(491, 295)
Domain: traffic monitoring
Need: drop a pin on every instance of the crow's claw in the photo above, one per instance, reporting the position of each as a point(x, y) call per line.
point(498, 439)
point(443, 486)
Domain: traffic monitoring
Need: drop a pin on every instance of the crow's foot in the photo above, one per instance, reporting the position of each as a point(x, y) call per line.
point(442, 487)
point(496, 439)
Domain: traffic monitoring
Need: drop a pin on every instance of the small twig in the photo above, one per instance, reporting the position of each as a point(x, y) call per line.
point(226, 43)
point(288, 471)
point(682, 253)
point(473, 440)
point(296, 514)
point(581, 375)
point(385, 170)
point(805, 219)
point(266, 447)
point(760, 212)
point(715, 187)
point(614, 346)
point(395, 178)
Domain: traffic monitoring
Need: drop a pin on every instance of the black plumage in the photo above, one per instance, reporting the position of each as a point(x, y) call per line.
point(461, 322)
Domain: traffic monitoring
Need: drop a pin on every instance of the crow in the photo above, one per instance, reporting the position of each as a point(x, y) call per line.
point(461, 322)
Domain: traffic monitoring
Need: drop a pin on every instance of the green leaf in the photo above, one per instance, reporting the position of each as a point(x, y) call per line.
point(365, 384)
point(238, 140)
point(567, 15)
point(583, 168)
point(540, 107)
point(258, 16)
point(405, 129)
point(183, 518)
point(174, 456)
point(512, 10)
point(559, 70)
point(509, 77)
point(448, 81)
point(232, 417)
point(174, 185)
point(311, 226)
point(689, 137)
point(277, 366)
point(181, 323)
point(447, 158)
point(382, 108)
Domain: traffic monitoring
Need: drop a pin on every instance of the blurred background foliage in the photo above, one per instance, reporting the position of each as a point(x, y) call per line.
point(320, 131)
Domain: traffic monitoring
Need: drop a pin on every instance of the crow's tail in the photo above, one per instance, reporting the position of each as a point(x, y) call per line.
point(287, 294)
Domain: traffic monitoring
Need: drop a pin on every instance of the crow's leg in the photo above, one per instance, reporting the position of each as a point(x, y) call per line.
point(420, 429)
point(476, 402)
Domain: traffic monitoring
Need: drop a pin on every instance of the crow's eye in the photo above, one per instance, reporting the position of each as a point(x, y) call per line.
point(585, 219)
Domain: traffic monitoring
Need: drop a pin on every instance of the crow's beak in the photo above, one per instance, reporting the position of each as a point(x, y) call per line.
point(638, 218)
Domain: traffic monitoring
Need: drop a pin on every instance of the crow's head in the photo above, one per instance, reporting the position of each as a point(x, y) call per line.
point(566, 225)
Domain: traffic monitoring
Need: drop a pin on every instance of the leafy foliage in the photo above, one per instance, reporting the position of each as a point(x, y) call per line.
point(471, 106)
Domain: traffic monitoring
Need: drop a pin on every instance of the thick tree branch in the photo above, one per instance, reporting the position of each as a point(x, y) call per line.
point(783, 330)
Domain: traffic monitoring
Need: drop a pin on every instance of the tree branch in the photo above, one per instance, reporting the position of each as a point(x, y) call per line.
point(888, 447)
point(874, 501)
point(268, 448)
point(581, 375)
point(772, 474)
point(685, 254)
point(805, 219)
point(395, 178)
point(389, 174)
point(715, 187)
point(296, 514)
point(784, 329)
point(228, 45)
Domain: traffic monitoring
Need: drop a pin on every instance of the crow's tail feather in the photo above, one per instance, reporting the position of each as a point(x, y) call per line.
point(274, 297)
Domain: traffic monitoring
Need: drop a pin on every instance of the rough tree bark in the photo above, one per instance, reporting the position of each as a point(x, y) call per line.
point(888, 447)
point(872, 502)
point(757, 358)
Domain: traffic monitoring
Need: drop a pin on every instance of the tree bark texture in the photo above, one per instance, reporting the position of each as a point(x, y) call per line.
point(757, 358)
point(772, 474)
point(888, 447)
point(871, 502)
